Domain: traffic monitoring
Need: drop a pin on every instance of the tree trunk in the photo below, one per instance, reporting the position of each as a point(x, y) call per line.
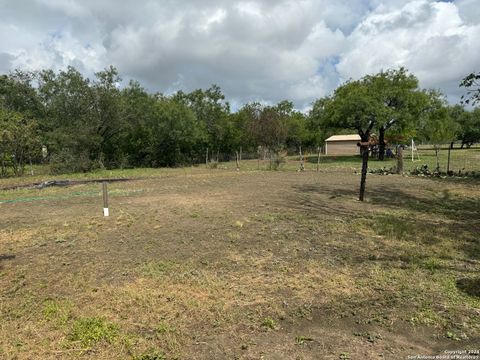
point(206, 158)
point(438, 161)
point(400, 160)
point(236, 160)
point(363, 180)
point(240, 159)
point(451, 145)
point(381, 144)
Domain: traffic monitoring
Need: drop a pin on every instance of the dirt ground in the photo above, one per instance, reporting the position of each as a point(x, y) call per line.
point(218, 264)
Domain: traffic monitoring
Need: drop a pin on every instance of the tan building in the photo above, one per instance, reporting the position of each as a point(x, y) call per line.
point(342, 145)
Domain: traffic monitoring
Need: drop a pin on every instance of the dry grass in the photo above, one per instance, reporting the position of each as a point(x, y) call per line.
point(206, 264)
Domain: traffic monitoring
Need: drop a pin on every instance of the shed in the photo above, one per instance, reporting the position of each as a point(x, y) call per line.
point(342, 145)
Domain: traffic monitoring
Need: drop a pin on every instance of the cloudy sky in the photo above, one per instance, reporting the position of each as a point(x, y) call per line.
point(254, 50)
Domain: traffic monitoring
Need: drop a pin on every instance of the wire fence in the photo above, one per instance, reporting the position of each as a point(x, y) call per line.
point(456, 160)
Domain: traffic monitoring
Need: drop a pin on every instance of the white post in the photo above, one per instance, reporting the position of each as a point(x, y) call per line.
point(412, 149)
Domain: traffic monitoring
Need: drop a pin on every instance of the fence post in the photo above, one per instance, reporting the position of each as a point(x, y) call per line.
point(400, 159)
point(105, 199)
point(448, 160)
point(318, 158)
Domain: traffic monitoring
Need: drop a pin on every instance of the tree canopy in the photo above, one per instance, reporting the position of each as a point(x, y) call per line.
point(100, 122)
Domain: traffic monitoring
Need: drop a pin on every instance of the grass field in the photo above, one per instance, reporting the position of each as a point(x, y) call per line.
point(461, 160)
point(198, 263)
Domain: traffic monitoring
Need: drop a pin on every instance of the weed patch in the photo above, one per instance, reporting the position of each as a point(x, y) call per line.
point(90, 330)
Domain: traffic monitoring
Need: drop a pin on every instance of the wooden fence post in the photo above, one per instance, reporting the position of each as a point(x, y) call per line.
point(448, 161)
point(318, 158)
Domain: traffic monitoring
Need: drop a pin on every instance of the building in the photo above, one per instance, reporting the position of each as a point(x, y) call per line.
point(342, 145)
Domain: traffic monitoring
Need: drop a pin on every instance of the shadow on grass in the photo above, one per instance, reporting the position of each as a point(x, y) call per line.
point(469, 286)
point(7, 257)
point(456, 208)
point(457, 217)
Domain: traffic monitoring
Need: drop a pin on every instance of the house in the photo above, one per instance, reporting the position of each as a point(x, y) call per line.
point(342, 145)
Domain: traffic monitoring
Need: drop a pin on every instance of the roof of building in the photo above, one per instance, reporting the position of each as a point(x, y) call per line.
point(354, 137)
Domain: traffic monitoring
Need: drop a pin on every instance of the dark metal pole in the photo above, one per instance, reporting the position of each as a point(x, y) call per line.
point(105, 199)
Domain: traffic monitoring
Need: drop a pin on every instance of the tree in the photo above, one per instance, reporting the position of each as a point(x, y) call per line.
point(174, 133)
point(210, 109)
point(316, 119)
point(297, 132)
point(268, 126)
point(108, 115)
point(72, 122)
point(17, 93)
point(468, 124)
point(472, 83)
point(138, 113)
point(19, 141)
point(356, 105)
point(438, 127)
point(401, 101)
point(239, 127)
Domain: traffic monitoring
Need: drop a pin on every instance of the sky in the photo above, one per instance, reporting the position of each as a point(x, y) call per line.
point(265, 51)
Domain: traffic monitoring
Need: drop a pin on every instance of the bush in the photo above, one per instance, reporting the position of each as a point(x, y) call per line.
point(67, 162)
point(421, 171)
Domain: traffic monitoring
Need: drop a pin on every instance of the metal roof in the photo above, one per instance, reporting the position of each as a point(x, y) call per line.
point(354, 137)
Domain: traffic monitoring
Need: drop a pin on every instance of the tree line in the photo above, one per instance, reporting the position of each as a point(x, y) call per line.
point(77, 124)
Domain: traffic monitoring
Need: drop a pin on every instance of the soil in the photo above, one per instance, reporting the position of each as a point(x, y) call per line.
point(240, 265)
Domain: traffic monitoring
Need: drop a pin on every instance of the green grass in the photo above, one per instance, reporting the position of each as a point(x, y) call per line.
point(269, 323)
point(461, 160)
point(90, 330)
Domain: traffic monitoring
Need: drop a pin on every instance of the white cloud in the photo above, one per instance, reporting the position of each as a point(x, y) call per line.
point(428, 38)
point(255, 50)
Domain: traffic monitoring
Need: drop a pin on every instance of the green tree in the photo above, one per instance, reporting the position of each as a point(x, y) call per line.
point(175, 134)
point(19, 141)
point(400, 99)
point(72, 123)
point(356, 105)
point(316, 120)
point(437, 126)
point(212, 111)
point(138, 110)
point(268, 126)
point(108, 115)
point(297, 132)
point(472, 84)
point(468, 123)
point(17, 93)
